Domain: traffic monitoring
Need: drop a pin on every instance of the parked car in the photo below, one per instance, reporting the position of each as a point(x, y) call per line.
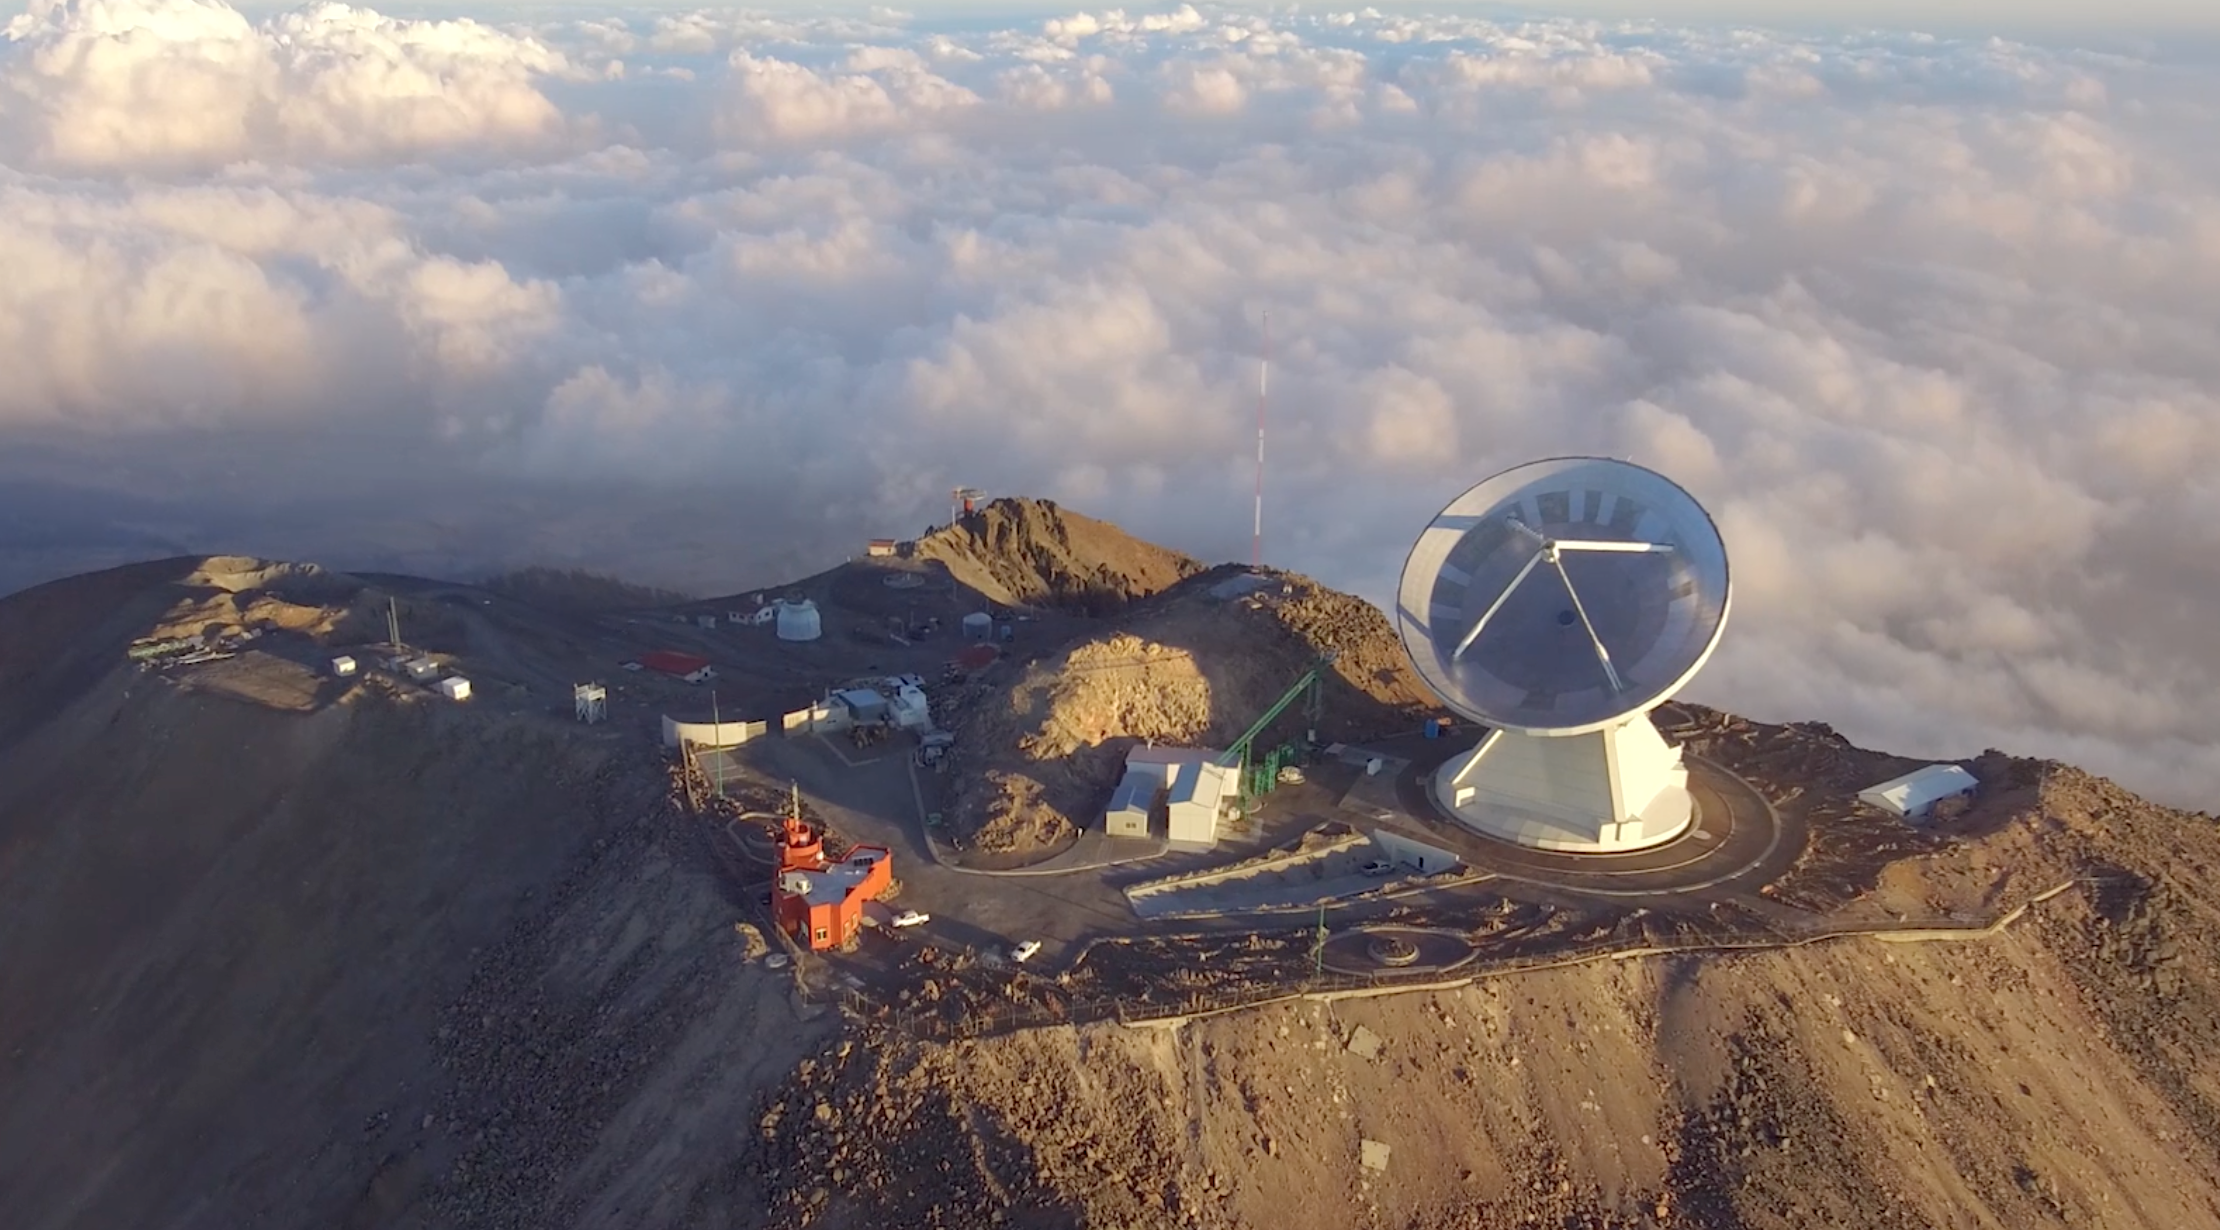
point(912, 918)
point(1025, 951)
point(1378, 867)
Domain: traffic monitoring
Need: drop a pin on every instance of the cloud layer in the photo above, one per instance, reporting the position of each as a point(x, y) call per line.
point(703, 298)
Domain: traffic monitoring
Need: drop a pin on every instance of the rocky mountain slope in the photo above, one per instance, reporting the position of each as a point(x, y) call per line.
point(286, 952)
point(1026, 552)
point(1042, 744)
point(2057, 1072)
point(279, 955)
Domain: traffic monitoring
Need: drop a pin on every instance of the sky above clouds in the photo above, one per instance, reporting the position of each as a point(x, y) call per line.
point(704, 298)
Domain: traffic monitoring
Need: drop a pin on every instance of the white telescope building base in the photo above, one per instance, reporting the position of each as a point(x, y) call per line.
point(1603, 792)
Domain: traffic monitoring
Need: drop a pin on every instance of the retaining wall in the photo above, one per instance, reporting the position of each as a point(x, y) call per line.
point(1273, 861)
point(711, 734)
point(1409, 852)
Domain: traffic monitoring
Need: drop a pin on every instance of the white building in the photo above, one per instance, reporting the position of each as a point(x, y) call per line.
point(1915, 794)
point(1197, 794)
point(910, 709)
point(1131, 803)
point(799, 621)
point(421, 669)
point(342, 666)
point(1193, 789)
point(455, 687)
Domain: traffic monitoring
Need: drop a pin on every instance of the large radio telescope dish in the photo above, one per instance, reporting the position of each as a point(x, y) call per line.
point(1564, 596)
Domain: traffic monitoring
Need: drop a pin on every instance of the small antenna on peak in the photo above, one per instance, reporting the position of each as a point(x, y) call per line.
point(1263, 389)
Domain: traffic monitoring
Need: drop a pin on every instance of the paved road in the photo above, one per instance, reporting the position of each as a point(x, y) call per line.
point(869, 800)
point(869, 797)
point(1739, 841)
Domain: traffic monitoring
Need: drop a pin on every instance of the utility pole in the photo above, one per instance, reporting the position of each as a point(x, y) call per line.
point(1318, 947)
point(393, 623)
point(717, 724)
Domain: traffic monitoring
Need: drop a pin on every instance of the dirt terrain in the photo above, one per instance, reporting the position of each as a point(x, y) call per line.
point(290, 950)
point(286, 953)
point(2057, 1072)
point(1041, 748)
point(1028, 553)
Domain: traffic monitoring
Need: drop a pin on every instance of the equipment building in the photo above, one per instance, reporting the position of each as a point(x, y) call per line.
point(820, 903)
point(864, 706)
point(693, 668)
point(798, 620)
point(1187, 781)
point(1915, 794)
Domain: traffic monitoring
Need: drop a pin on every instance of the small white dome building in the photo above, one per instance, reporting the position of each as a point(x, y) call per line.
point(799, 621)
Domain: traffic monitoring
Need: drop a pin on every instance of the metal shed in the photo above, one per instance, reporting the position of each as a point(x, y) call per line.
point(1915, 794)
point(864, 705)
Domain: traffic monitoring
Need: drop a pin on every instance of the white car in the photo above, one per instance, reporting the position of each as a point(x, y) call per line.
point(1378, 867)
point(912, 918)
point(1024, 951)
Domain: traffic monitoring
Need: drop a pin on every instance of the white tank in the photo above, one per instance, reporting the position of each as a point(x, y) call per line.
point(799, 621)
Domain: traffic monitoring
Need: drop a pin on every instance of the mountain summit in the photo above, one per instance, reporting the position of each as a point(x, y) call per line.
point(1028, 552)
point(291, 943)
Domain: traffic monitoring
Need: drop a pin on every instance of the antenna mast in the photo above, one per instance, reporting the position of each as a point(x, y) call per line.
point(1263, 376)
point(393, 623)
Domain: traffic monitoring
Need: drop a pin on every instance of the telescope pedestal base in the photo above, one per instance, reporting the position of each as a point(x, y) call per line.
point(1605, 792)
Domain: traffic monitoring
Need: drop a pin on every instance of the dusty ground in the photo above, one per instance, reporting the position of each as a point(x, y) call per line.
point(282, 953)
point(2056, 1072)
point(1854, 1084)
point(285, 951)
point(1040, 751)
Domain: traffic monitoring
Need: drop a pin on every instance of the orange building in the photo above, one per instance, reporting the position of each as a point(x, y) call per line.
point(820, 903)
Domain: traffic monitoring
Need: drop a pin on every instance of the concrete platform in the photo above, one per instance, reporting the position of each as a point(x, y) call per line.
point(1734, 836)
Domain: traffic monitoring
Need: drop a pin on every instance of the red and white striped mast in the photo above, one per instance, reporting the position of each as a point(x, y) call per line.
point(1263, 376)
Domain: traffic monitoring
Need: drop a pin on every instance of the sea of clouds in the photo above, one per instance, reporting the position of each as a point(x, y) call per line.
point(705, 298)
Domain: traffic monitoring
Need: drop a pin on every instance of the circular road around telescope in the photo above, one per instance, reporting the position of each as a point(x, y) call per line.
point(1738, 843)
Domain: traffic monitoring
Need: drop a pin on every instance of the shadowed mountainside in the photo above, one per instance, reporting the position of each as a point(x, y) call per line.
point(1025, 552)
point(283, 950)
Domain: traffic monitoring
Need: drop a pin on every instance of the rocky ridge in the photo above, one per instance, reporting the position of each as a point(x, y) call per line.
point(1029, 552)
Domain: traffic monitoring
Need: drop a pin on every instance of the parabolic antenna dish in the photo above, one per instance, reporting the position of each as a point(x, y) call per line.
point(1565, 595)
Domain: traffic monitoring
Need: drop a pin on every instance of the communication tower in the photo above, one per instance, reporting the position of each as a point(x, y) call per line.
point(964, 501)
point(1263, 375)
point(592, 701)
